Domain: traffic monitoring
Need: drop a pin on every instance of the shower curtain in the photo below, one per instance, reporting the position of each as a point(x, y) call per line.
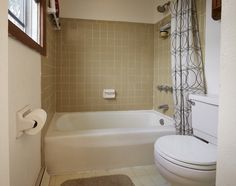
point(186, 60)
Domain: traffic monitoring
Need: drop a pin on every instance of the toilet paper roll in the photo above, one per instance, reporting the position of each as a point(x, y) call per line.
point(39, 117)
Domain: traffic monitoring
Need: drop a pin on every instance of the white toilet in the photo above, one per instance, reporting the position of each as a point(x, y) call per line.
point(191, 160)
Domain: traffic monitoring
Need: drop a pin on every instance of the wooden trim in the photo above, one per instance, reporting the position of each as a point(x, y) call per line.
point(43, 34)
point(17, 33)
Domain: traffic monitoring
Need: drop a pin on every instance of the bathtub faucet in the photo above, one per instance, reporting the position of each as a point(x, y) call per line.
point(164, 107)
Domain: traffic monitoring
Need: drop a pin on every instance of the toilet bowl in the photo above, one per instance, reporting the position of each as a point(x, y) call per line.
point(191, 160)
point(186, 160)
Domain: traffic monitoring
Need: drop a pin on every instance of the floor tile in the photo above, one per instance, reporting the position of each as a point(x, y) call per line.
point(140, 175)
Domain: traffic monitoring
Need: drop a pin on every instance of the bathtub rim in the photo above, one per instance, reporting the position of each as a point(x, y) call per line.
point(52, 132)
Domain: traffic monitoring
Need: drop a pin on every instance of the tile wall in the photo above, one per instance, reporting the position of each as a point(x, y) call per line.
point(162, 69)
point(95, 55)
point(48, 77)
point(87, 56)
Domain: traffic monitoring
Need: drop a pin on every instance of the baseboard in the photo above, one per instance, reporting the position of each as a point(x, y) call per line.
point(43, 178)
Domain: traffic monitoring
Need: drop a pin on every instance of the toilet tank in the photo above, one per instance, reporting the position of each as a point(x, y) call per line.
point(205, 117)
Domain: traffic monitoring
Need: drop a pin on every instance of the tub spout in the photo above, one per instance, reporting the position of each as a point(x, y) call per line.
point(164, 107)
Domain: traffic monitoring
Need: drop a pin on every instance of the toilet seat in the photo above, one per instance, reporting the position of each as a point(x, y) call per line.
point(184, 176)
point(187, 151)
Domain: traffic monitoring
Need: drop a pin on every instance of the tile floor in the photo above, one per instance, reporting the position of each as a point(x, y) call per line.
point(141, 176)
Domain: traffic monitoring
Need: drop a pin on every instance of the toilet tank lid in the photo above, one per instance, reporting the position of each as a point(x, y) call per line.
point(205, 98)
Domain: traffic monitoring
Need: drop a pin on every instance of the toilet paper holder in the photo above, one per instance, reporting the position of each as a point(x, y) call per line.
point(109, 93)
point(24, 124)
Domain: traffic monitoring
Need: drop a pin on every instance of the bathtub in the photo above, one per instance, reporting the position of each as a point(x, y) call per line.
point(103, 140)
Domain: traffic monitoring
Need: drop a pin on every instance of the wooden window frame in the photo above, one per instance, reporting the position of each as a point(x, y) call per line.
point(17, 33)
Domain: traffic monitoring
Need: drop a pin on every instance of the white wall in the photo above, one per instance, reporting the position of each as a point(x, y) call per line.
point(226, 165)
point(4, 126)
point(141, 11)
point(113, 10)
point(212, 57)
point(24, 88)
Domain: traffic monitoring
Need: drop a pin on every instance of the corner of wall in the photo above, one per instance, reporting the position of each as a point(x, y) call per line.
point(4, 114)
point(48, 80)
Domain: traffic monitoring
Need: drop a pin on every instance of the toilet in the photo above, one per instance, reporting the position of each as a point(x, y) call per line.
point(191, 160)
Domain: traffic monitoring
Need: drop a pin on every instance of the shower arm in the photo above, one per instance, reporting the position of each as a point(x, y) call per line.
point(165, 27)
point(167, 4)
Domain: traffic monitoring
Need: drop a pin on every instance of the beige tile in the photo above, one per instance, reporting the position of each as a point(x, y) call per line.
point(87, 56)
point(106, 55)
point(139, 171)
point(48, 77)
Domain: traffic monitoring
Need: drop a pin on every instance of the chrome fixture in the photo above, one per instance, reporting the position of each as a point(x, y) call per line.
point(160, 87)
point(165, 88)
point(192, 102)
point(165, 27)
point(164, 30)
point(162, 122)
point(163, 8)
point(164, 107)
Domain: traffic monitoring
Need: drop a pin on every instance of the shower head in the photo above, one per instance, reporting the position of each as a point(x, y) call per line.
point(162, 8)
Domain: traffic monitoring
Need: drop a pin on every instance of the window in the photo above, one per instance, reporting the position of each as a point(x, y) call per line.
point(27, 22)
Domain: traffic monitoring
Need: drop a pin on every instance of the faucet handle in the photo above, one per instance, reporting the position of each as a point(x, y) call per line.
point(191, 102)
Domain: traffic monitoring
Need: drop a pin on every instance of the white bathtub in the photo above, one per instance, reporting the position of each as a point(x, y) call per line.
point(103, 140)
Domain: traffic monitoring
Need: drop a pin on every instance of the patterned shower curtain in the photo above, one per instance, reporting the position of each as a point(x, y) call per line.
point(186, 60)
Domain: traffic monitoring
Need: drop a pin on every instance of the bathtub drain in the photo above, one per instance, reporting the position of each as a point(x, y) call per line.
point(161, 121)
